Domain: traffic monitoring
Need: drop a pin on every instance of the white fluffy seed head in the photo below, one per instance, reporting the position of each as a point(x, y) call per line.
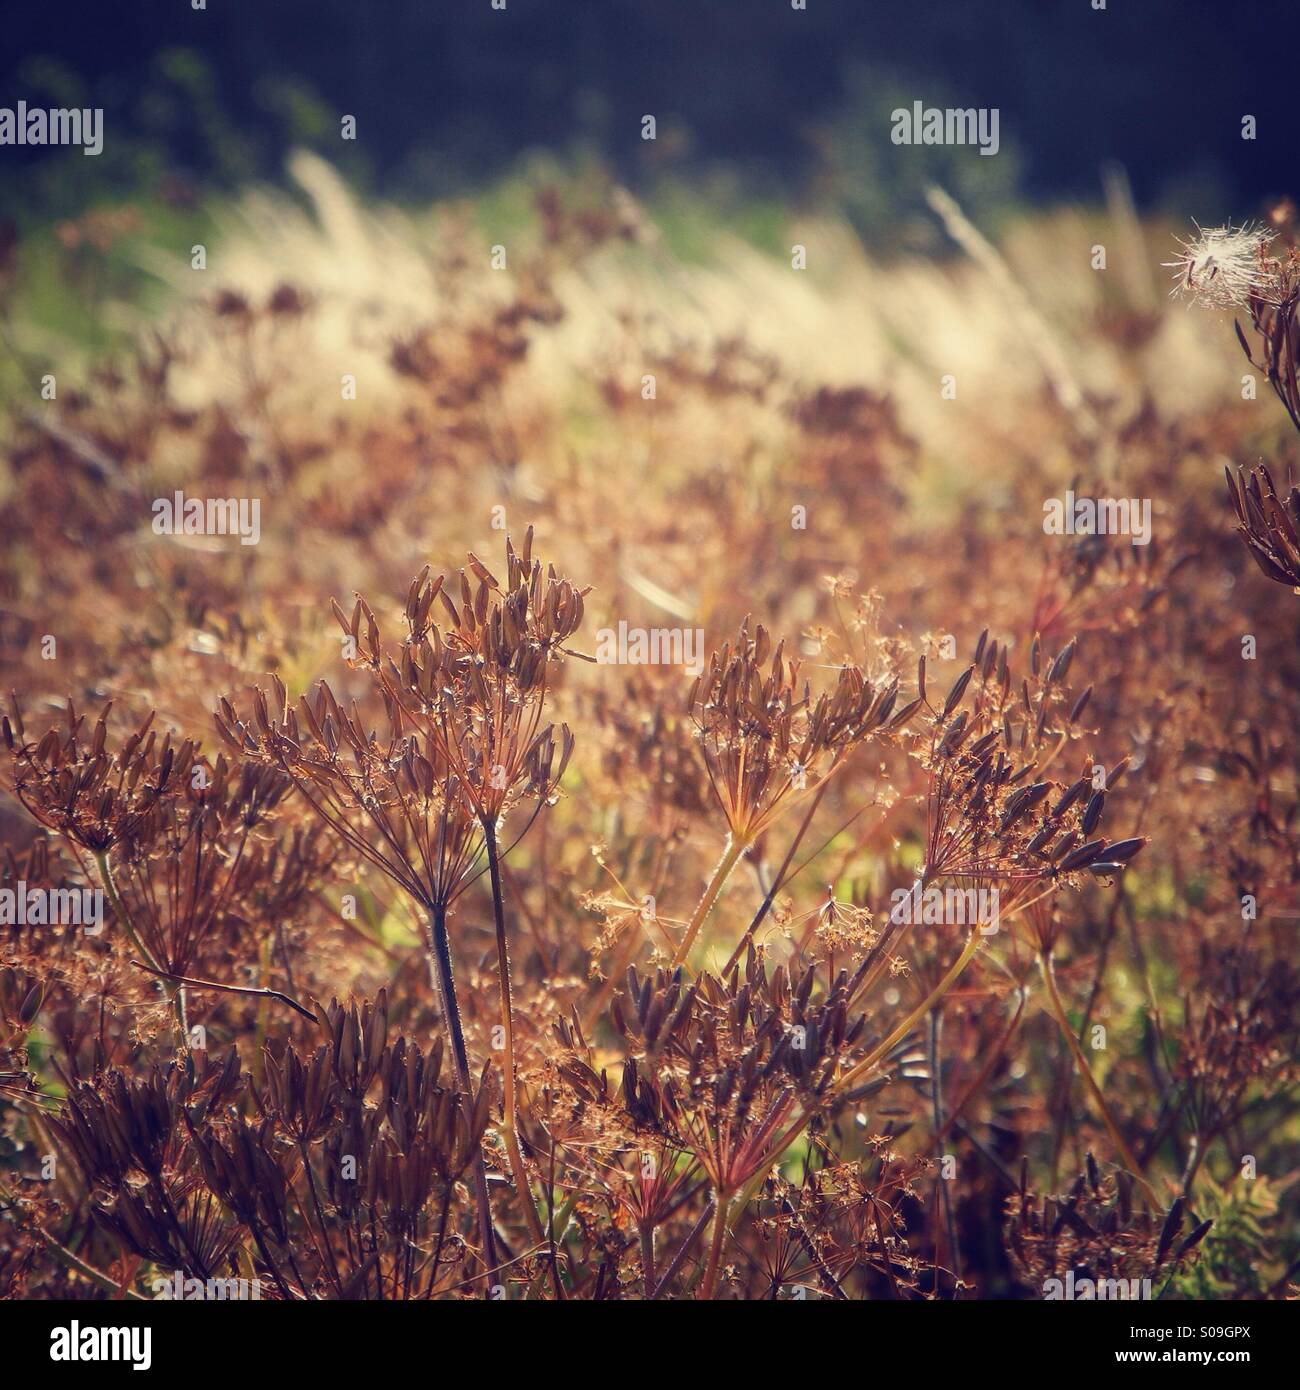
point(1223, 267)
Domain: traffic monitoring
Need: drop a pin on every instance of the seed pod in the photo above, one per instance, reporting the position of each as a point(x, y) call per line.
point(1080, 705)
point(1169, 1230)
point(1123, 850)
point(1082, 856)
point(1060, 667)
point(1195, 1238)
point(31, 1004)
point(957, 691)
point(1070, 797)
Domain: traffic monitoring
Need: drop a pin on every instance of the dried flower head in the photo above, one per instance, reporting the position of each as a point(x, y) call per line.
point(767, 741)
point(1225, 267)
point(1269, 525)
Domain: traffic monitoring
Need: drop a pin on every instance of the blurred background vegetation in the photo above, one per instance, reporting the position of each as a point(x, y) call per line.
point(762, 110)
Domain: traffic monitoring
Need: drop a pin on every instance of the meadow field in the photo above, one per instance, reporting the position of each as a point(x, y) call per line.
point(606, 755)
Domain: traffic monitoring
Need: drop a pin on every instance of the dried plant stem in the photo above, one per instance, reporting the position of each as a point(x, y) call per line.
point(934, 1046)
point(648, 1258)
point(119, 908)
point(509, 1130)
point(883, 1049)
point(895, 928)
point(731, 856)
point(441, 954)
point(770, 897)
point(1058, 1010)
point(177, 996)
point(194, 983)
point(708, 1289)
point(683, 1250)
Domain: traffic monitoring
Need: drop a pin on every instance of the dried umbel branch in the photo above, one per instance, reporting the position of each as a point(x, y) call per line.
point(83, 788)
point(399, 804)
point(465, 748)
point(395, 800)
point(1268, 525)
point(165, 828)
point(477, 690)
point(768, 743)
point(178, 874)
point(732, 1069)
point(187, 1162)
point(992, 816)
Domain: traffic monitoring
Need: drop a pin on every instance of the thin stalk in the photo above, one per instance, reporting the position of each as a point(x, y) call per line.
point(119, 907)
point(770, 897)
point(936, 1101)
point(195, 983)
point(883, 1049)
point(177, 996)
point(509, 1130)
point(1085, 1071)
point(648, 1258)
point(708, 1289)
point(87, 1271)
point(441, 954)
point(684, 1249)
point(895, 928)
point(722, 872)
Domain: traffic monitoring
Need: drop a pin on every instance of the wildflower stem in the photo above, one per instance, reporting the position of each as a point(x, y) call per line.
point(447, 989)
point(708, 1289)
point(684, 1249)
point(226, 989)
point(770, 897)
point(648, 1258)
point(883, 1049)
point(119, 908)
point(731, 855)
point(177, 996)
point(1058, 1010)
point(895, 929)
point(509, 1131)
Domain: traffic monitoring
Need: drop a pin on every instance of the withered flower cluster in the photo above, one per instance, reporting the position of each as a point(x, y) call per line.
point(1097, 1231)
point(725, 1018)
point(182, 848)
point(465, 751)
point(340, 1166)
point(1269, 525)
